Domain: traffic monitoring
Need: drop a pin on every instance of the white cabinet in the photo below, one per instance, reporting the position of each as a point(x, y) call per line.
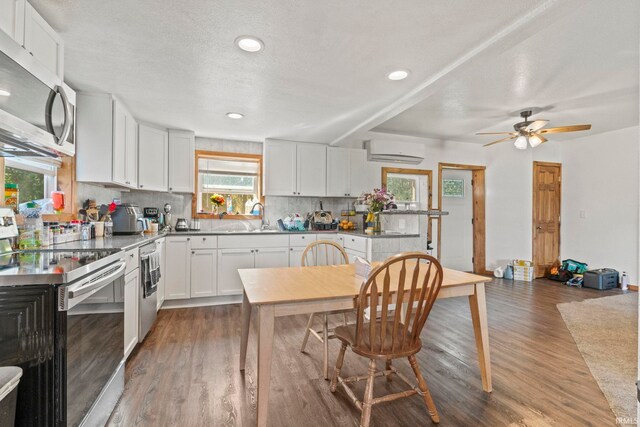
point(346, 172)
point(280, 168)
point(178, 283)
point(311, 169)
point(295, 168)
point(353, 254)
point(229, 261)
point(153, 158)
point(162, 248)
point(203, 273)
point(295, 256)
point(182, 152)
point(107, 142)
point(41, 41)
point(272, 257)
point(12, 19)
point(131, 311)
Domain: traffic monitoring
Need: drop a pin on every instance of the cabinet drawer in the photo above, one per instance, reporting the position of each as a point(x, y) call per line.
point(355, 243)
point(259, 241)
point(301, 240)
point(353, 254)
point(204, 242)
point(132, 258)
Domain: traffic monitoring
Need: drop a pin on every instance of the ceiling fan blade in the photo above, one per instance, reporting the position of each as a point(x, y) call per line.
point(500, 140)
point(536, 125)
point(495, 133)
point(561, 129)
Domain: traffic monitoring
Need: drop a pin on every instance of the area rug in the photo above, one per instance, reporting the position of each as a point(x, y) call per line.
point(606, 333)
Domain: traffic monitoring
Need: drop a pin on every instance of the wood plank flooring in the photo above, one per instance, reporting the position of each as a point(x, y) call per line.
point(186, 372)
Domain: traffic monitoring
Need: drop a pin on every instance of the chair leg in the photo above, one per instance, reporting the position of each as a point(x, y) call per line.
point(344, 319)
point(388, 367)
point(325, 339)
point(307, 332)
point(368, 395)
point(428, 400)
point(336, 372)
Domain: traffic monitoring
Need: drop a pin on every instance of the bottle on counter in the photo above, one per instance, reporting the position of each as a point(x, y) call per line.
point(108, 226)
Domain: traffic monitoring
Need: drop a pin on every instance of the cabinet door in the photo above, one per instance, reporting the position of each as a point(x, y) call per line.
point(41, 41)
point(272, 257)
point(131, 168)
point(178, 283)
point(182, 155)
point(312, 169)
point(229, 261)
point(131, 307)
point(162, 247)
point(358, 182)
point(280, 168)
point(353, 254)
point(295, 257)
point(12, 19)
point(153, 158)
point(337, 171)
point(119, 144)
point(203, 273)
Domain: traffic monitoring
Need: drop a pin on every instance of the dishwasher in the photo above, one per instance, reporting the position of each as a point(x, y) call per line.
point(148, 301)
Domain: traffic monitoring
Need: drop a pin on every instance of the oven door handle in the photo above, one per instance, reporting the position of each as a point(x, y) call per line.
point(103, 279)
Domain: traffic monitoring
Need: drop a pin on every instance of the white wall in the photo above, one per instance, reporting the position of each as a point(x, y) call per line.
point(600, 200)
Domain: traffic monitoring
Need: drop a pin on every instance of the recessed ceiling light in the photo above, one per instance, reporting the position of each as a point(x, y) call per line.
point(249, 43)
point(4, 92)
point(235, 116)
point(398, 75)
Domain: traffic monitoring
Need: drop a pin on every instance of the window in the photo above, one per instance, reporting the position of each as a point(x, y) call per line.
point(411, 187)
point(236, 177)
point(35, 180)
point(453, 188)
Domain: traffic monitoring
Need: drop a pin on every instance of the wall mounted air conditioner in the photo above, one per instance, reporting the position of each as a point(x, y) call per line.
point(379, 150)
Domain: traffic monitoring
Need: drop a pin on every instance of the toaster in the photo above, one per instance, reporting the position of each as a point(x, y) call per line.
point(127, 219)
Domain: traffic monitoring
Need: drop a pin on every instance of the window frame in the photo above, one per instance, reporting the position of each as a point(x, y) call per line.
point(205, 154)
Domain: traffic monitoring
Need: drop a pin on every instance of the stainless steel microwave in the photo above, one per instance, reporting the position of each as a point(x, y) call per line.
point(36, 119)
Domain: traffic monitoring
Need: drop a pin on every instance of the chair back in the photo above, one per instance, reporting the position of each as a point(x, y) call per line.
point(411, 278)
point(324, 252)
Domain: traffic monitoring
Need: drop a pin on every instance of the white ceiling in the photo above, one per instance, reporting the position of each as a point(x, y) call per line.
point(321, 76)
point(581, 68)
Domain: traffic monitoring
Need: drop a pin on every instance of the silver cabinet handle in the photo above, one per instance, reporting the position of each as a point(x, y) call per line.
point(141, 185)
point(188, 238)
point(204, 238)
point(256, 250)
point(251, 250)
point(291, 249)
point(193, 252)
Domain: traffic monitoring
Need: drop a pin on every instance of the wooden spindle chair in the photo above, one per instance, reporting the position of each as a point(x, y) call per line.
point(409, 280)
point(323, 252)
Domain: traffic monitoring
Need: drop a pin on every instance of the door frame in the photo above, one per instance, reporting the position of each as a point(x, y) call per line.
point(533, 211)
point(478, 203)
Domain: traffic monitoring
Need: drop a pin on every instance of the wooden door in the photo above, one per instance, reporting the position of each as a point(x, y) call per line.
point(178, 278)
point(547, 179)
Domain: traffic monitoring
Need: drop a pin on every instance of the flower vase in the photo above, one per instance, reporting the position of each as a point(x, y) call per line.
point(214, 209)
point(377, 227)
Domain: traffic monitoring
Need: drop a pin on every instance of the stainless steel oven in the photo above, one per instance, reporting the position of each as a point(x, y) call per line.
point(94, 346)
point(36, 119)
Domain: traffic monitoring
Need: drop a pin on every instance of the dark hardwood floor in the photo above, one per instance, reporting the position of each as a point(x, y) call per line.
point(186, 372)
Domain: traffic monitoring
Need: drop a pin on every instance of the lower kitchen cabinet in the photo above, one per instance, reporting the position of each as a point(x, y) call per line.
point(229, 261)
point(178, 281)
point(131, 314)
point(295, 256)
point(203, 273)
point(353, 254)
point(271, 257)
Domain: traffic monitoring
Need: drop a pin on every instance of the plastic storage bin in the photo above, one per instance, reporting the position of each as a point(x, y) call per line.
point(9, 379)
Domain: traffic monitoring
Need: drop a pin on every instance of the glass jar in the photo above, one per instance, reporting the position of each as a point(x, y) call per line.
point(108, 226)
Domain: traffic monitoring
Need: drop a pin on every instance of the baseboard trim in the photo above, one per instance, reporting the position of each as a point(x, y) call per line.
point(633, 288)
point(201, 302)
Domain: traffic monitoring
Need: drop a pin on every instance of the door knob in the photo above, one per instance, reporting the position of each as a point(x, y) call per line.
point(538, 228)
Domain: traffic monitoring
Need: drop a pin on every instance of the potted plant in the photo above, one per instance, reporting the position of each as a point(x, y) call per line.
point(377, 200)
point(217, 200)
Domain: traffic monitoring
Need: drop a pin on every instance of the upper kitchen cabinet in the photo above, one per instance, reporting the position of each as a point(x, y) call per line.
point(41, 41)
point(153, 158)
point(107, 143)
point(182, 154)
point(346, 172)
point(294, 168)
point(12, 19)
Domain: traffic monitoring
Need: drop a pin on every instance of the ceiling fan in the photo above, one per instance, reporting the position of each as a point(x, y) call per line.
point(531, 132)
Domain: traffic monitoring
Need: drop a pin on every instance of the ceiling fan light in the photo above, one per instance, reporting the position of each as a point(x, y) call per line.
point(521, 142)
point(534, 141)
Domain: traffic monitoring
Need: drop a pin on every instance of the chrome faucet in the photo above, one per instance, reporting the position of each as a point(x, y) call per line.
point(264, 223)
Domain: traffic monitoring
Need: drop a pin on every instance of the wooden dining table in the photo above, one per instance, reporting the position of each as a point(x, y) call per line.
point(277, 292)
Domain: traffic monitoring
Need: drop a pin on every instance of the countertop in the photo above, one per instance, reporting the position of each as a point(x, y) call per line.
point(115, 242)
point(267, 233)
